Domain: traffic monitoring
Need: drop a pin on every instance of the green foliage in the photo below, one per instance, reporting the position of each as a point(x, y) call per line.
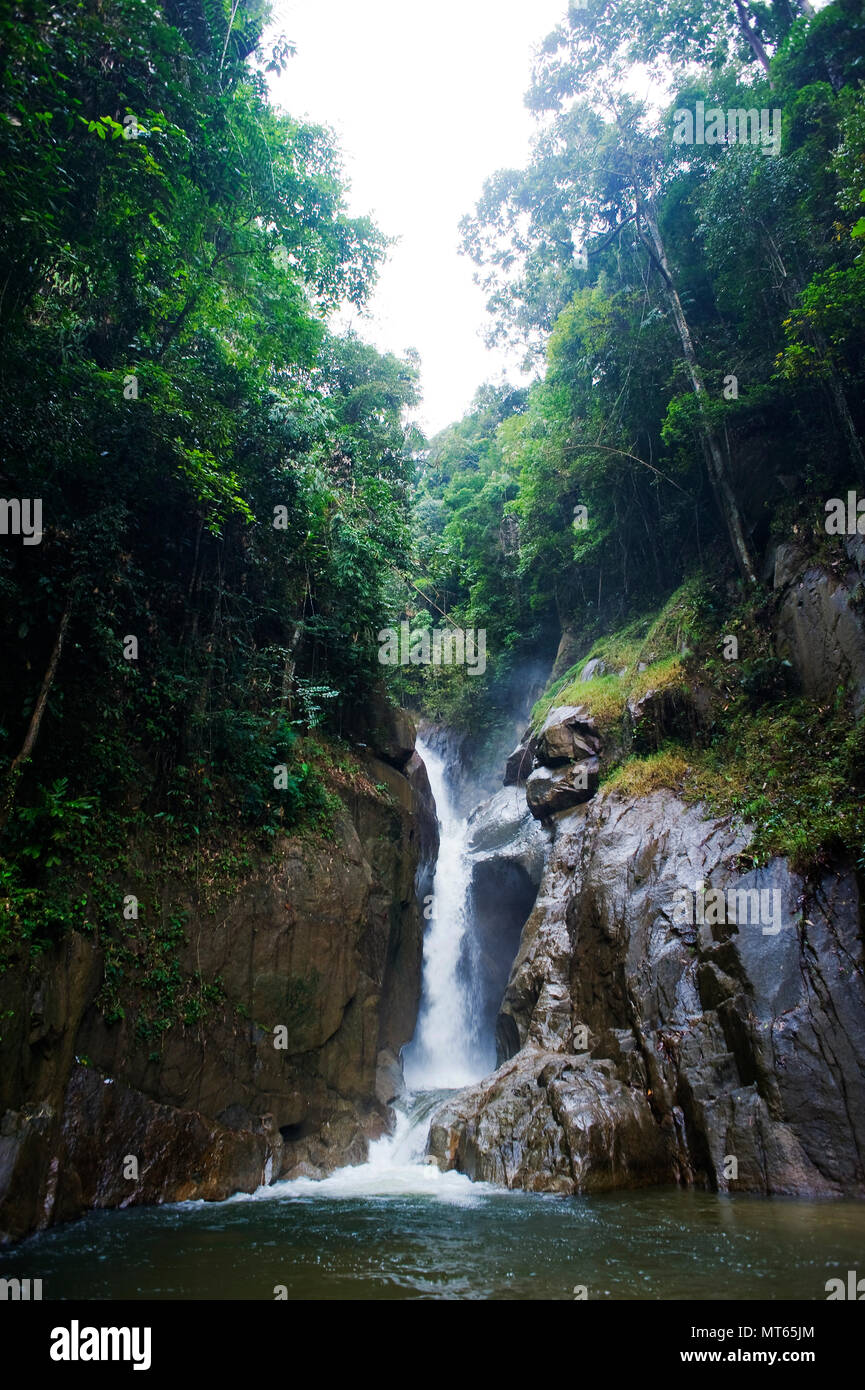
point(50, 825)
point(787, 767)
point(764, 254)
point(221, 475)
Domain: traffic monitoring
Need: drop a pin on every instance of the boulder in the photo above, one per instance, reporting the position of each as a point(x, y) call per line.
point(389, 1081)
point(568, 734)
point(593, 668)
point(553, 1123)
point(394, 735)
point(379, 725)
point(551, 790)
point(520, 762)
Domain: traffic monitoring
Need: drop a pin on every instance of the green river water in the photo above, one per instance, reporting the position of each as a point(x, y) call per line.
point(452, 1242)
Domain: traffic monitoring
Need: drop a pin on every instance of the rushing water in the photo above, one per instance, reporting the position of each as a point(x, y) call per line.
point(445, 1051)
point(396, 1227)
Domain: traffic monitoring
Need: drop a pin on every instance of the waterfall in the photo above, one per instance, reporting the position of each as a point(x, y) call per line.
point(444, 1053)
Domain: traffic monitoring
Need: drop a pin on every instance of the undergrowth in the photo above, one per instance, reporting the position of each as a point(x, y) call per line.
point(789, 768)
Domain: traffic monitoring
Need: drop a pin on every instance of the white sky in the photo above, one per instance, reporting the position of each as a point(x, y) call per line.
point(427, 101)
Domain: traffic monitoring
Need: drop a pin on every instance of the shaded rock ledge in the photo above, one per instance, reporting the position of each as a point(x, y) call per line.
point(323, 938)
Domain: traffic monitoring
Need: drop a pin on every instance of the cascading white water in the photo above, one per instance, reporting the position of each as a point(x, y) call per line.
point(396, 1167)
point(442, 1054)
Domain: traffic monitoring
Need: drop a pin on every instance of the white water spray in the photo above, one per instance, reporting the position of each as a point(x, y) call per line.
point(442, 1054)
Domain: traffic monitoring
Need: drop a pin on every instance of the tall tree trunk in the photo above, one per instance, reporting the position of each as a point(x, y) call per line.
point(286, 698)
point(752, 37)
point(718, 471)
point(17, 765)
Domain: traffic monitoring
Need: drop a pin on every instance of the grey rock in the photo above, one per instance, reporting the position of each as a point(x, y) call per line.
point(568, 733)
point(593, 668)
point(549, 791)
point(707, 1039)
point(520, 762)
point(821, 633)
point(389, 1081)
point(507, 849)
point(790, 560)
point(553, 1124)
point(504, 830)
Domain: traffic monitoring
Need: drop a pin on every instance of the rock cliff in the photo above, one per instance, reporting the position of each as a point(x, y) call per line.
point(671, 1015)
point(318, 955)
point(650, 1049)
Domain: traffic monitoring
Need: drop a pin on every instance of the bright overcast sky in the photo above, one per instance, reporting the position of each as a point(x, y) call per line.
point(427, 101)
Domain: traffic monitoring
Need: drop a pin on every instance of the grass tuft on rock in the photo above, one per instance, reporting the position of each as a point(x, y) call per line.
point(791, 769)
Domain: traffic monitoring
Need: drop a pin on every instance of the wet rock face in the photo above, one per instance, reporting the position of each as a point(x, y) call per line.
point(552, 1123)
point(668, 1017)
point(323, 941)
point(503, 830)
point(507, 850)
point(820, 621)
point(644, 1047)
point(549, 791)
point(520, 763)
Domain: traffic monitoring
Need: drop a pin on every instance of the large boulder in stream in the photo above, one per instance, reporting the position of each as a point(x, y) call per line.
point(650, 1032)
point(553, 1123)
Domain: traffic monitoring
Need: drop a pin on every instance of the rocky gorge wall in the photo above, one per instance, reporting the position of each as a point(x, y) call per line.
point(669, 1016)
point(322, 939)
